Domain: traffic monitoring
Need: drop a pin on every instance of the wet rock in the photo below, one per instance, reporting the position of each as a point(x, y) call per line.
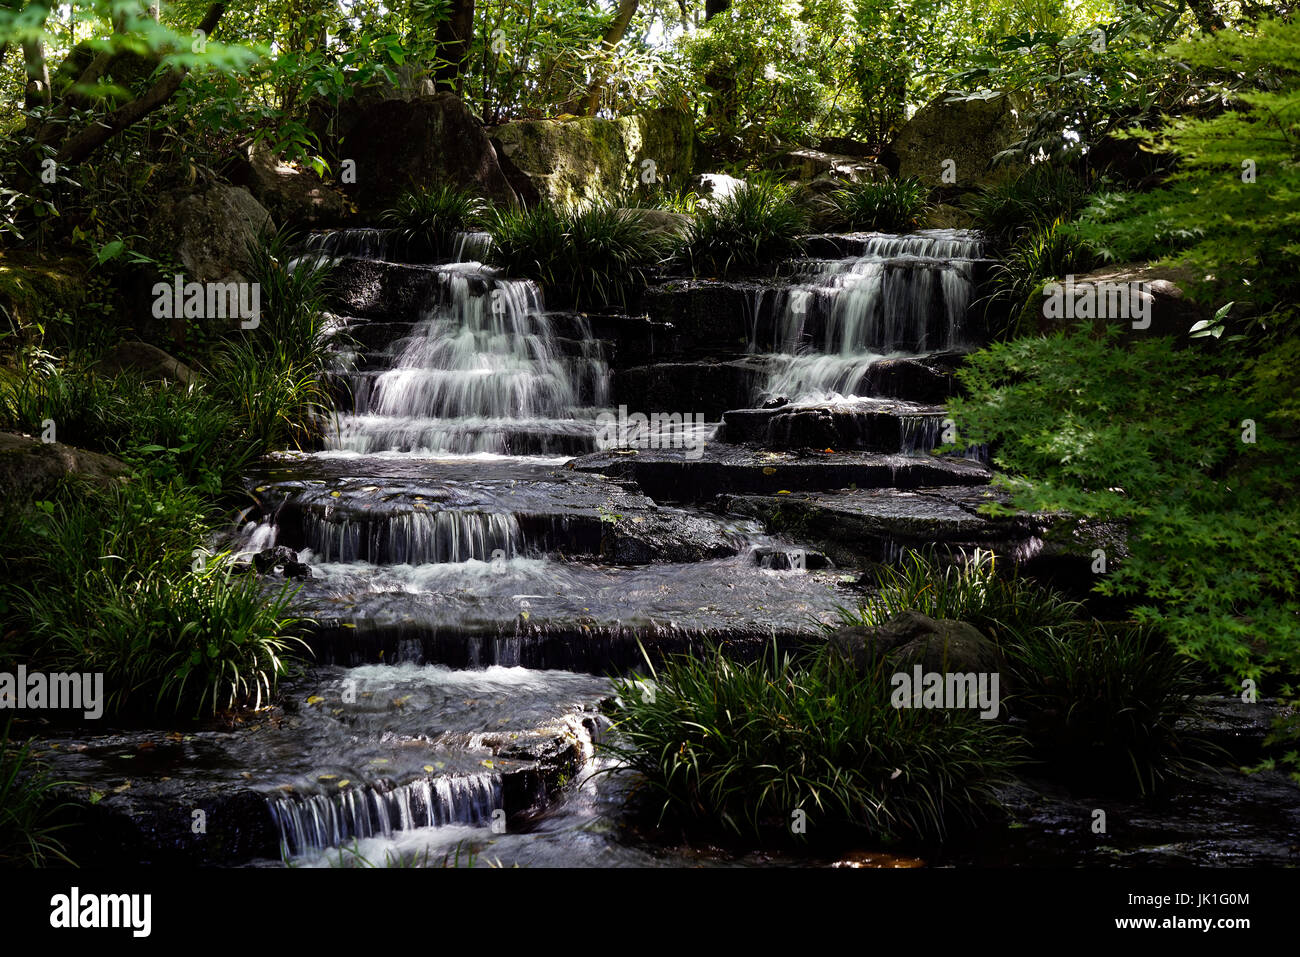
point(969, 132)
point(32, 469)
point(1237, 727)
point(709, 388)
point(665, 536)
point(150, 362)
point(670, 475)
point(283, 558)
point(911, 638)
point(789, 558)
point(869, 424)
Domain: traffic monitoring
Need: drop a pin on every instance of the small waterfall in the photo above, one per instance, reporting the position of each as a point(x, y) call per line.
point(390, 245)
point(323, 821)
point(904, 295)
point(921, 433)
point(484, 371)
point(414, 538)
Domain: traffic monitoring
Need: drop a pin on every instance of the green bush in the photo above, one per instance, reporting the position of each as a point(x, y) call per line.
point(27, 836)
point(428, 220)
point(1051, 252)
point(594, 255)
point(1027, 204)
point(1103, 702)
point(1192, 448)
point(753, 227)
point(889, 205)
point(741, 747)
point(969, 590)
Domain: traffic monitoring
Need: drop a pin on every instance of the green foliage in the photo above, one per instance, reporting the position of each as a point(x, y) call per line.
point(753, 227)
point(740, 747)
point(590, 255)
point(1242, 234)
point(1027, 204)
point(1103, 702)
point(111, 581)
point(969, 590)
point(27, 835)
point(1151, 435)
point(428, 220)
point(889, 205)
point(1052, 251)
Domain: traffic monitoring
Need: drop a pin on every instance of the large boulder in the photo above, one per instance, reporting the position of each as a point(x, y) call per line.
point(291, 195)
point(399, 145)
point(149, 362)
point(1147, 300)
point(911, 638)
point(210, 231)
point(589, 158)
point(968, 132)
point(807, 164)
point(32, 469)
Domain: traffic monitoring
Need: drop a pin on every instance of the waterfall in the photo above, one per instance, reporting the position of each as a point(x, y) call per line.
point(413, 537)
point(903, 295)
point(322, 821)
point(483, 371)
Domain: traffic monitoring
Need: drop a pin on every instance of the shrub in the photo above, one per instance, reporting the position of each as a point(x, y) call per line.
point(889, 205)
point(1051, 252)
point(1103, 702)
point(1028, 203)
point(26, 832)
point(593, 255)
point(968, 590)
point(753, 227)
point(742, 746)
point(428, 220)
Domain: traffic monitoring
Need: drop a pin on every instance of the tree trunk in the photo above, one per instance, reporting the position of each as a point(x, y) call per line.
point(453, 38)
point(81, 145)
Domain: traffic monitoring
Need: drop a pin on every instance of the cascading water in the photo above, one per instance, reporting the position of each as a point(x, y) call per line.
point(904, 295)
point(483, 371)
point(322, 821)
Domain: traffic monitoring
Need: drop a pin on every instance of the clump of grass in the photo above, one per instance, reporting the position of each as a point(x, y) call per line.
point(109, 581)
point(592, 255)
point(755, 226)
point(969, 590)
point(1051, 252)
point(428, 220)
point(1028, 203)
point(889, 205)
point(27, 831)
point(1102, 701)
point(743, 747)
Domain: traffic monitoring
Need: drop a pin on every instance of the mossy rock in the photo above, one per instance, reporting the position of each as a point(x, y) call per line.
point(37, 287)
point(32, 469)
point(586, 159)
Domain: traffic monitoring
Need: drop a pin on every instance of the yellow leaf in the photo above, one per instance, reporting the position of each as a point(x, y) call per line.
point(769, 471)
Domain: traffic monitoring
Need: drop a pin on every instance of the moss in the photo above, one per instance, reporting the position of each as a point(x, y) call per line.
point(35, 287)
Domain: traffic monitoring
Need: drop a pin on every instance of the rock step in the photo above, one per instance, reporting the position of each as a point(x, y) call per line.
point(858, 526)
point(570, 615)
point(871, 425)
point(349, 754)
point(418, 524)
point(699, 475)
